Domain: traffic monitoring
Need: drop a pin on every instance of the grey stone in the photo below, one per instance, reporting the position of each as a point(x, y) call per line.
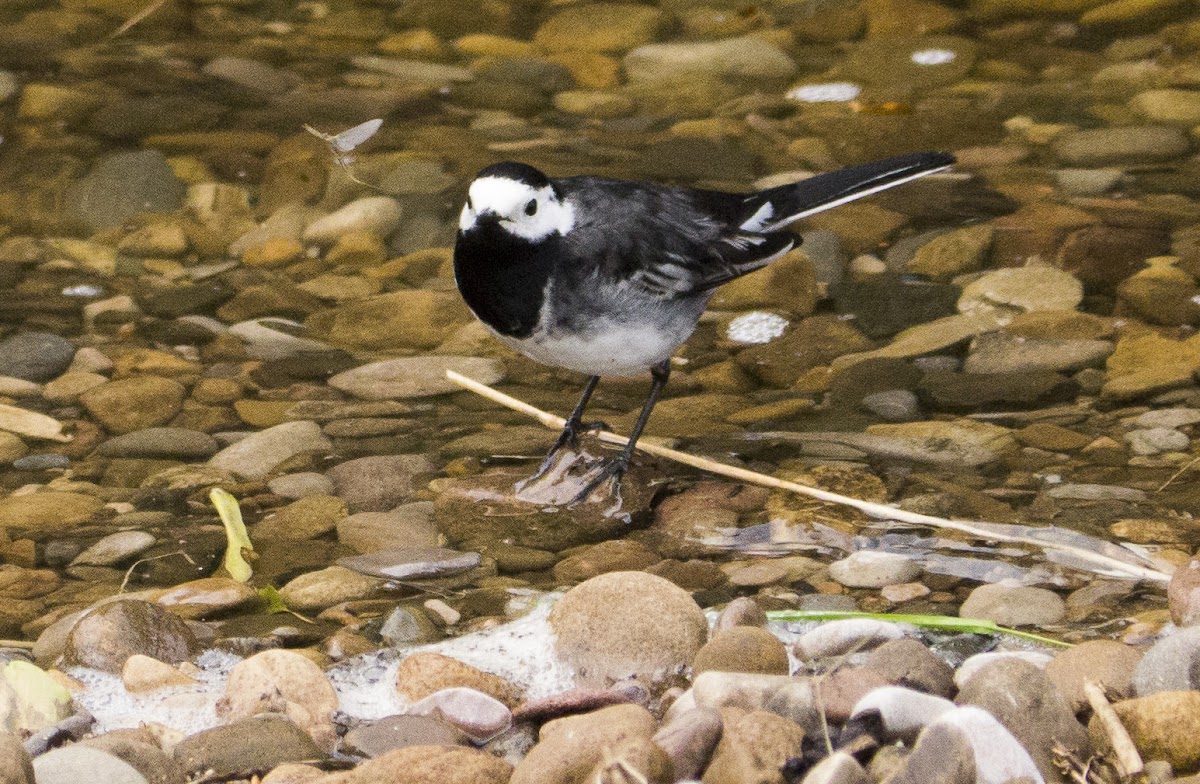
point(161, 442)
point(1171, 664)
point(75, 764)
point(35, 356)
point(121, 186)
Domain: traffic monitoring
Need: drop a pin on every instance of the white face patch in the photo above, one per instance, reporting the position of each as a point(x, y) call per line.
point(524, 211)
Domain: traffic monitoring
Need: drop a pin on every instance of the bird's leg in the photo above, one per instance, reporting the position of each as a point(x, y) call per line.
point(570, 432)
point(616, 467)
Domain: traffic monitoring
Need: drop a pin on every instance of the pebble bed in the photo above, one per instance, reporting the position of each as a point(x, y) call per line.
point(200, 293)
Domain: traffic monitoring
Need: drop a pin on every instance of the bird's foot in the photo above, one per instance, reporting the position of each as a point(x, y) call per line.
point(568, 438)
point(609, 474)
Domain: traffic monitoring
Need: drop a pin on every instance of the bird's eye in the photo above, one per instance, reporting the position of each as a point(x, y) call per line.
point(531, 207)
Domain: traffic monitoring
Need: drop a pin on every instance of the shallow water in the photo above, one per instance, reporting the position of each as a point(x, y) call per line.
point(1075, 133)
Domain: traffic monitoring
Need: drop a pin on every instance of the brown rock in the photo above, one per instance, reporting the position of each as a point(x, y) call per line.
point(422, 674)
point(638, 759)
point(689, 740)
point(1107, 662)
point(415, 318)
point(615, 555)
point(285, 682)
point(908, 663)
point(15, 765)
point(743, 649)
point(130, 404)
point(624, 624)
point(570, 747)
point(106, 637)
point(1183, 594)
point(306, 518)
point(49, 511)
point(427, 765)
point(754, 747)
point(1165, 726)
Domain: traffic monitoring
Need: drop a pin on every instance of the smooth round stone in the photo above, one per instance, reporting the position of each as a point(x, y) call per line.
point(411, 563)
point(837, 637)
point(1014, 605)
point(379, 215)
point(300, 485)
point(252, 74)
point(894, 405)
point(121, 186)
point(373, 739)
point(746, 57)
point(255, 455)
point(254, 743)
point(75, 763)
point(293, 680)
point(411, 377)
point(276, 338)
point(115, 548)
point(1169, 417)
point(110, 634)
point(35, 356)
point(161, 442)
point(1012, 290)
point(1120, 145)
point(920, 62)
point(1156, 440)
point(479, 716)
point(134, 403)
point(207, 596)
point(874, 569)
point(41, 462)
point(327, 587)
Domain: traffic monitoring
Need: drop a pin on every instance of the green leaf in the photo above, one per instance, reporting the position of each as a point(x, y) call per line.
point(270, 595)
point(239, 547)
point(945, 623)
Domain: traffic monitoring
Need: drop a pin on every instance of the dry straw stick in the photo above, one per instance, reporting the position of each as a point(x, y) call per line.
point(882, 511)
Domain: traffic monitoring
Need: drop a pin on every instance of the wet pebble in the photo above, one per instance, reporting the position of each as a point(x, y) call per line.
point(301, 485)
point(835, 638)
point(380, 483)
point(424, 674)
point(120, 186)
point(1120, 145)
point(1171, 664)
point(623, 624)
point(115, 548)
point(326, 587)
point(161, 442)
point(110, 634)
point(296, 687)
point(743, 649)
point(1164, 725)
point(255, 743)
point(130, 404)
point(35, 356)
point(411, 563)
point(874, 569)
point(477, 715)
point(432, 765)
point(410, 377)
point(1104, 661)
point(570, 747)
point(1013, 605)
point(255, 455)
point(376, 738)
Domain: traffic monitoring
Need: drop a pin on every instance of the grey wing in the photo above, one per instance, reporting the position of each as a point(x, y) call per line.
point(672, 242)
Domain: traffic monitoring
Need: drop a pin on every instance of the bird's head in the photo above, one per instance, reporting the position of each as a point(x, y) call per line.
point(519, 199)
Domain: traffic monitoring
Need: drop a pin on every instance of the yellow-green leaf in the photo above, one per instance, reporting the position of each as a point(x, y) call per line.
point(239, 547)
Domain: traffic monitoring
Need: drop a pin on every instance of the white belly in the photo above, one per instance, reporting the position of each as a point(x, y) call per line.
point(612, 350)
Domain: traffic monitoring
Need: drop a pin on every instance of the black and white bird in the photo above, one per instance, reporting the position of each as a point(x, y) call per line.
point(608, 277)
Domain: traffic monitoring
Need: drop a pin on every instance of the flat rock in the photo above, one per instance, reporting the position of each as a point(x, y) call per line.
point(115, 548)
point(1014, 605)
point(746, 57)
point(256, 743)
point(411, 377)
point(376, 738)
point(258, 453)
point(378, 483)
point(135, 403)
point(1120, 145)
point(161, 442)
point(75, 763)
point(411, 563)
point(122, 185)
point(874, 569)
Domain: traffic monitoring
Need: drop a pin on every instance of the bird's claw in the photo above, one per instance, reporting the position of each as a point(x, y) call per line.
point(569, 437)
point(612, 471)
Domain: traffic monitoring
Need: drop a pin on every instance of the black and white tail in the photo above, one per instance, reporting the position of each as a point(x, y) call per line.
point(777, 207)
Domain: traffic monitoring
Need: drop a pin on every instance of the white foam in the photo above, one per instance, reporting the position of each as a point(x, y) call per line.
point(521, 652)
point(934, 56)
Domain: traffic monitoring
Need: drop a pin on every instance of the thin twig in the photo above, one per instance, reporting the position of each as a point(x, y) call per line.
point(1129, 762)
point(1178, 474)
point(137, 18)
point(882, 511)
point(16, 644)
point(140, 561)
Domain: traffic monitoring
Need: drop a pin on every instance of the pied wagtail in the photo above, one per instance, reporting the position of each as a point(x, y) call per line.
point(608, 277)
